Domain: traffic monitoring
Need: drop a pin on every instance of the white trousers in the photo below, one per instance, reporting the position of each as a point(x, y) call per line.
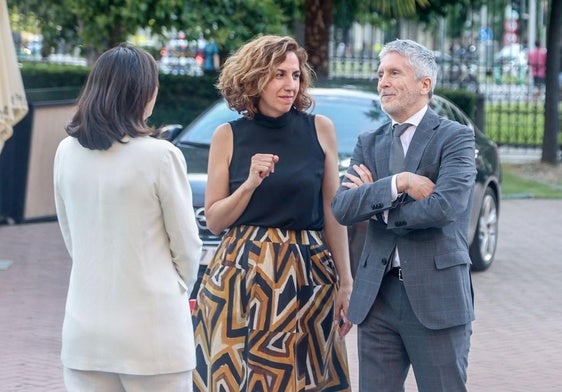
point(92, 381)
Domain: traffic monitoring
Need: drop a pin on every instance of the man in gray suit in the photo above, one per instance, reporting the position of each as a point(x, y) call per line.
point(412, 295)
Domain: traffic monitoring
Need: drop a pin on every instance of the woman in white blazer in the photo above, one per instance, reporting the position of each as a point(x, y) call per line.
point(125, 211)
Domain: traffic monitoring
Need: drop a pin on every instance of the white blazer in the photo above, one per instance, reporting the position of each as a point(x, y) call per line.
point(127, 220)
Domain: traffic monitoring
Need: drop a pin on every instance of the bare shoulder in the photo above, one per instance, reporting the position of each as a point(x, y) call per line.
point(222, 138)
point(322, 121)
point(325, 131)
point(324, 126)
point(223, 131)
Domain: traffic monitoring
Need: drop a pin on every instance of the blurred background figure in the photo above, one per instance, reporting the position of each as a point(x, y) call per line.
point(537, 65)
point(211, 58)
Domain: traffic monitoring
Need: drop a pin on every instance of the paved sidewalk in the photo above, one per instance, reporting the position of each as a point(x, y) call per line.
point(517, 338)
point(32, 292)
point(34, 271)
point(519, 155)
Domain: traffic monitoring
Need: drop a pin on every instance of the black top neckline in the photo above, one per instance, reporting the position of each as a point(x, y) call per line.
point(274, 122)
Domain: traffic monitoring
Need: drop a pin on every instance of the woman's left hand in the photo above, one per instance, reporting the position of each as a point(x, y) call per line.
point(342, 305)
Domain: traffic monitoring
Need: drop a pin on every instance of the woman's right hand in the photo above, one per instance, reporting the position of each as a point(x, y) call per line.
point(262, 166)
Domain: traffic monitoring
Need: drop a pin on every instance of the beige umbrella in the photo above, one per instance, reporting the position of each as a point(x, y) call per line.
point(13, 104)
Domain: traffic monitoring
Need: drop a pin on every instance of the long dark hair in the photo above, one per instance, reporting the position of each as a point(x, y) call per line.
point(112, 104)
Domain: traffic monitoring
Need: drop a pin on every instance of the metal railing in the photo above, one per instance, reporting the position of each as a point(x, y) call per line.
point(513, 108)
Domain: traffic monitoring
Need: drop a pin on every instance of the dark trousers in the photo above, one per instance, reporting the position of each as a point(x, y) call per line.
point(391, 339)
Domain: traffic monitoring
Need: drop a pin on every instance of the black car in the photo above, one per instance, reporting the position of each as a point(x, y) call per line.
point(352, 112)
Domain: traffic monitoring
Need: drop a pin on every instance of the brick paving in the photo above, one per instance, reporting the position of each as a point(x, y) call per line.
point(517, 338)
point(32, 292)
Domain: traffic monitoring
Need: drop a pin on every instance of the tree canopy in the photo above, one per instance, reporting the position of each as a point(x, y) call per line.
point(99, 25)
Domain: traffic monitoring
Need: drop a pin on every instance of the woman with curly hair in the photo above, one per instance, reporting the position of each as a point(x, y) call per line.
point(271, 311)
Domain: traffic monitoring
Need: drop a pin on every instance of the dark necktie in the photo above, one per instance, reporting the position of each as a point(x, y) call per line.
point(396, 161)
point(396, 165)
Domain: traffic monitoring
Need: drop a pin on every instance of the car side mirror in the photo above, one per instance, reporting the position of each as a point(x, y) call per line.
point(169, 132)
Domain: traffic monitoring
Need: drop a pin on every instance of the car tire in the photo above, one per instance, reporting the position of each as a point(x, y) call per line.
point(483, 247)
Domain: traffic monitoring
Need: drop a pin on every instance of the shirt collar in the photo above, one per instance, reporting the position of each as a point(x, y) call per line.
point(416, 118)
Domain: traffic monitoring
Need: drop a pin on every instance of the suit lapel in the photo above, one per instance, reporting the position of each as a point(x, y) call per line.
point(424, 133)
point(381, 143)
point(382, 151)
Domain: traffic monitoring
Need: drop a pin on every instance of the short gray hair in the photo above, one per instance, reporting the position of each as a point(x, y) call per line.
point(421, 59)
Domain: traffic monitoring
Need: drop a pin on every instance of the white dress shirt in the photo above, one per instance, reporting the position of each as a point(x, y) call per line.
point(405, 140)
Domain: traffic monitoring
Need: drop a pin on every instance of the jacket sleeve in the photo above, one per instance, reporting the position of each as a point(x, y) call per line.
point(60, 205)
point(455, 172)
point(179, 218)
point(359, 204)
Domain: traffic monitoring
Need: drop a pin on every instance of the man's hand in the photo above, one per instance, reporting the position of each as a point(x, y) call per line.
point(364, 176)
point(416, 186)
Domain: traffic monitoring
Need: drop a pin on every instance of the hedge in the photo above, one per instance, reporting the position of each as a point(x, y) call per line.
point(180, 98)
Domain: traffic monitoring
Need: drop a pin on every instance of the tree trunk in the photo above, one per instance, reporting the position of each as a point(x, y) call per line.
point(318, 21)
point(550, 144)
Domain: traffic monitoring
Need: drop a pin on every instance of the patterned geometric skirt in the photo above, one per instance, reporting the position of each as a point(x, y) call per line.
point(264, 315)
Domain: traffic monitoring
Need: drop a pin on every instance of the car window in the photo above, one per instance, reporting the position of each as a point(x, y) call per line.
point(201, 130)
point(460, 117)
point(350, 116)
point(441, 108)
point(449, 110)
point(343, 111)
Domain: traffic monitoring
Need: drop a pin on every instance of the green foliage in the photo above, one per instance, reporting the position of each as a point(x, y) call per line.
point(182, 98)
point(345, 13)
point(100, 25)
point(376, 12)
point(231, 23)
point(50, 18)
point(106, 23)
point(382, 8)
point(518, 185)
point(42, 75)
point(400, 8)
point(518, 123)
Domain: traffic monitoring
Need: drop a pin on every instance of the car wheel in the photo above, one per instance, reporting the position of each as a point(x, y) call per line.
point(485, 240)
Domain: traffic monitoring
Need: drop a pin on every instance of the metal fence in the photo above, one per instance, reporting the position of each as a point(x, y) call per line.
point(513, 107)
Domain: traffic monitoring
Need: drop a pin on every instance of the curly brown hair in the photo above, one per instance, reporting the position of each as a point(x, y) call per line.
point(250, 68)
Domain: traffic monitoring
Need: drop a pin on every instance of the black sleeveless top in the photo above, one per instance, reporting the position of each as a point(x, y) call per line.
point(291, 197)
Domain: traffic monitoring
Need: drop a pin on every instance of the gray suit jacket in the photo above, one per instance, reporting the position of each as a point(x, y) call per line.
point(431, 234)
